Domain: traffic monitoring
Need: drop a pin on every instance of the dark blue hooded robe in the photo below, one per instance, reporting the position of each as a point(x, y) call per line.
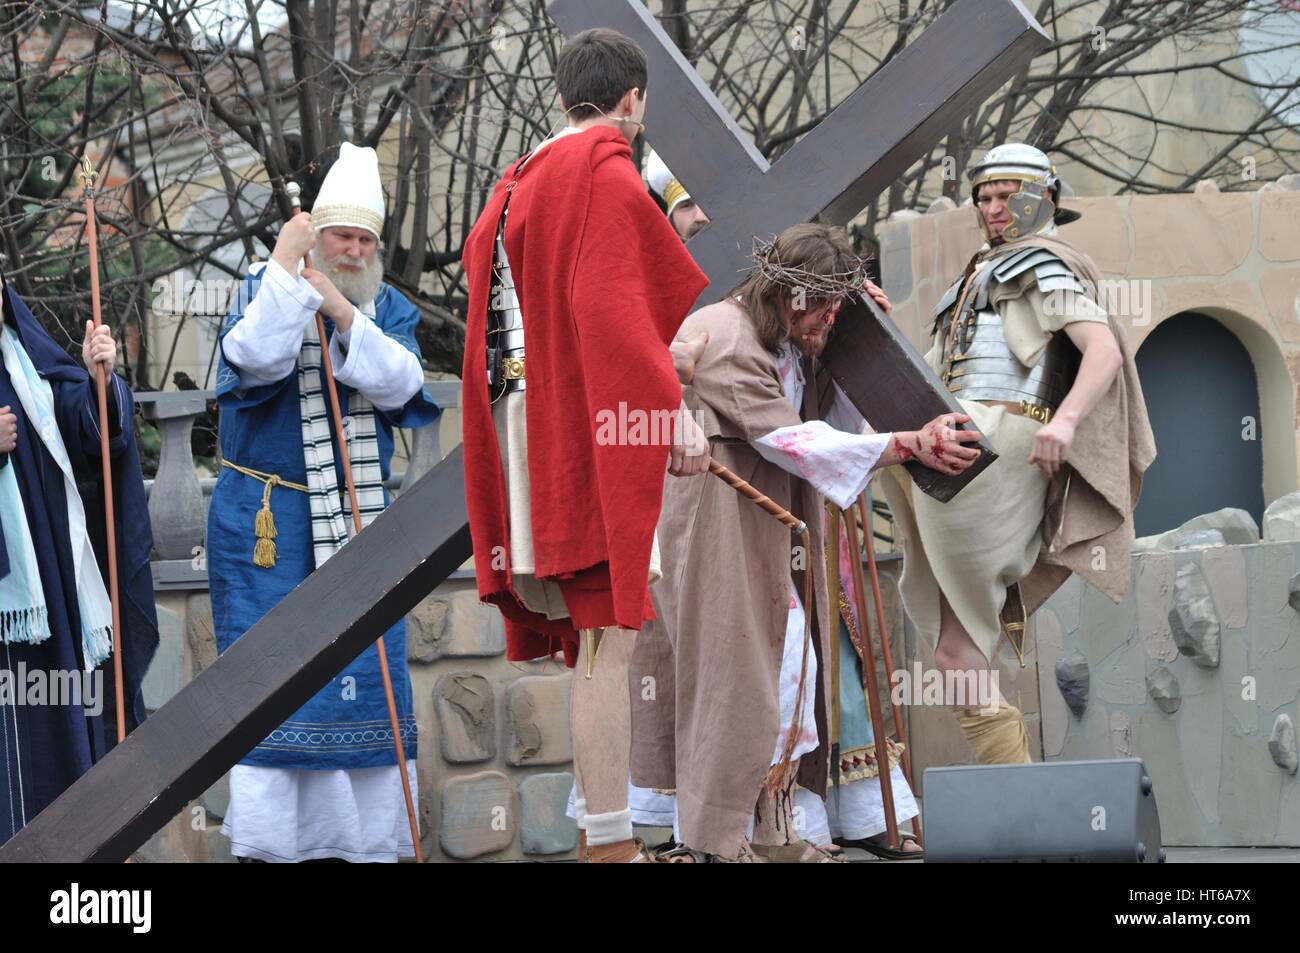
point(45, 747)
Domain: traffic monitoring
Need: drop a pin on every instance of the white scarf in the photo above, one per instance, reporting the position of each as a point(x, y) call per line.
point(23, 613)
point(329, 527)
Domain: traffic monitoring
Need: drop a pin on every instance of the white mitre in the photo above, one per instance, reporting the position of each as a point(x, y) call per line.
point(665, 186)
point(352, 194)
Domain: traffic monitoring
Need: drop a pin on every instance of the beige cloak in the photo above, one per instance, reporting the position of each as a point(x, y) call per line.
point(724, 599)
point(1010, 524)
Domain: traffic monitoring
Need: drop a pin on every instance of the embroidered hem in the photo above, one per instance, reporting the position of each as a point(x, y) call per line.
point(858, 764)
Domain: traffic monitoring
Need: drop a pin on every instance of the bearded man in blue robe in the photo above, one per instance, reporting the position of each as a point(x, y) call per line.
point(325, 785)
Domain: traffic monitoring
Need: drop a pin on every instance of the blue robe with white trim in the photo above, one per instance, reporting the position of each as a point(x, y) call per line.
point(346, 724)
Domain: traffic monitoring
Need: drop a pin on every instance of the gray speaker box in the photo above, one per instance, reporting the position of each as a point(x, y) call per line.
point(1053, 812)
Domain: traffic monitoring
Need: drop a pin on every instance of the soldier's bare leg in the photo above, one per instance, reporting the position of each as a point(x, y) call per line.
point(995, 729)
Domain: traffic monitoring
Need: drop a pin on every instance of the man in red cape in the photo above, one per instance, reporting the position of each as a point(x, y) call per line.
point(564, 490)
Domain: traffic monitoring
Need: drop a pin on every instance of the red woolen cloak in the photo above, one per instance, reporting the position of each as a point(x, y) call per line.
point(604, 283)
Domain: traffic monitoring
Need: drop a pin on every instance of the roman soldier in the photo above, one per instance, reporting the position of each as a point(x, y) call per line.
point(1022, 340)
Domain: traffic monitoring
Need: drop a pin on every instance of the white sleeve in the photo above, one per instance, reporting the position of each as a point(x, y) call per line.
point(264, 344)
point(380, 367)
point(836, 463)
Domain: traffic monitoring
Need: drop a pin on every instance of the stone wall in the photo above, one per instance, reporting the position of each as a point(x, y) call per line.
point(1197, 672)
point(495, 758)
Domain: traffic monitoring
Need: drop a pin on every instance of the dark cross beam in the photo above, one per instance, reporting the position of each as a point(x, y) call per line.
point(267, 675)
point(838, 168)
point(833, 173)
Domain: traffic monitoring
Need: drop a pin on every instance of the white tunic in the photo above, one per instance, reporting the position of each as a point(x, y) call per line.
point(855, 813)
point(288, 815)
point(837, 458)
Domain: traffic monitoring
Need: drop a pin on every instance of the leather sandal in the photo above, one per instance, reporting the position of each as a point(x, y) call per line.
point(882, 850)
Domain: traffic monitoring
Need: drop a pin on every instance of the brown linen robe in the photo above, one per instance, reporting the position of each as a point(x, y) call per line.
point(724, 599)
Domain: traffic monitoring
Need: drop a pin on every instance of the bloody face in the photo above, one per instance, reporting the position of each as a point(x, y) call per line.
point(811, 327)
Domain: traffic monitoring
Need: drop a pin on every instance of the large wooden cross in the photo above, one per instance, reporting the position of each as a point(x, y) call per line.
point(830, 175)
point(292, 652)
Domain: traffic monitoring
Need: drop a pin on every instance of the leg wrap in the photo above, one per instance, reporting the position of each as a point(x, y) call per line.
point(609, 828)
point(1000, 738)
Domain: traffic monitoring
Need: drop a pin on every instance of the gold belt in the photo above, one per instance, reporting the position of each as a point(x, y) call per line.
point(1023, 408)
point(512, 368)
point(264, 523)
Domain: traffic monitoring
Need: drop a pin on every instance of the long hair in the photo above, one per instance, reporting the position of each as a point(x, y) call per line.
point(821, 249)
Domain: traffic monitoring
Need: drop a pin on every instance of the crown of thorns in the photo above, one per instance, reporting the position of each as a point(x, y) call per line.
point(815, 284)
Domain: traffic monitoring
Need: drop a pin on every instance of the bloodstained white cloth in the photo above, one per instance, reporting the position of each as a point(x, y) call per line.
point(837, 458)
point(834, 455)
point(788, 685)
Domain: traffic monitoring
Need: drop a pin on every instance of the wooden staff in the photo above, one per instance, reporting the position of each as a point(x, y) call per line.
point(833, 516)
point(745, 489)
point(869, 676)
point(88, 176)
point(327, 372)
point(887, 655)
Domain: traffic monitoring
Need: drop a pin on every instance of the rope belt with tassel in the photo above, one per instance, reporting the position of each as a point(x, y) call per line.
point(264, 525)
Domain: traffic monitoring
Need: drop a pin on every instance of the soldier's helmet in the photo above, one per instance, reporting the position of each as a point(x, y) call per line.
point(1037, 204)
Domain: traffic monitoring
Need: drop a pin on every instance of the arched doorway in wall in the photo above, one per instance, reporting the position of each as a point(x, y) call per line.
point(1202, 395)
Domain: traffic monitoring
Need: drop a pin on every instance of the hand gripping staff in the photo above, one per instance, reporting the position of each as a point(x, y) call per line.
point(88, 177)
